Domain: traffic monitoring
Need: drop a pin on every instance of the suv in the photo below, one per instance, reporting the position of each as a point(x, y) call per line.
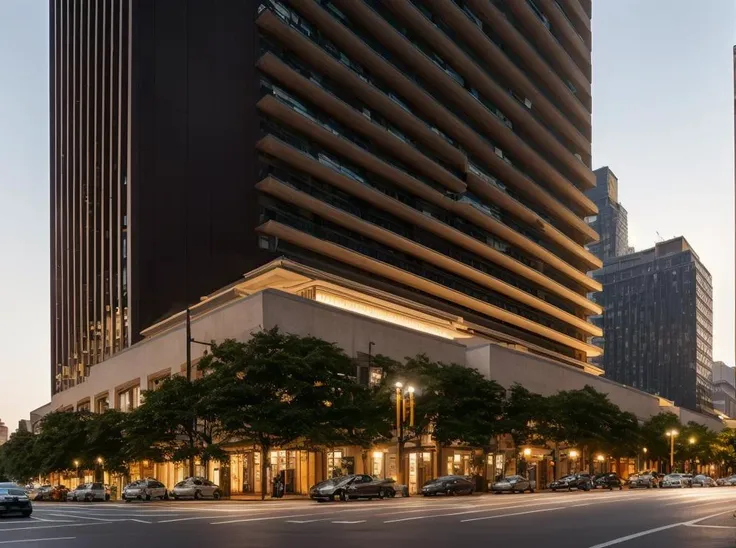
point(88, 492)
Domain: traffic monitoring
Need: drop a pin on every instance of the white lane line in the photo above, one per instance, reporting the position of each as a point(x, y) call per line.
point(700, 502)
point(50, 520)
point(140, 521)
point(105, 520)
point(35, 540)
point(514, 514)
point(305, 520)
point(414, 518)
point(711, 526)
point(656, 530)
point(259, 519)
point(350, 522)
point(191, 519)
point(51, 526)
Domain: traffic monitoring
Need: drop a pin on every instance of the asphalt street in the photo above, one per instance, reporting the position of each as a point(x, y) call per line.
point(629, 519)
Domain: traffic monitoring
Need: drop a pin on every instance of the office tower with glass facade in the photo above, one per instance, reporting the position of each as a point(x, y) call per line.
point(611, 221)
point(658, 323)
point(438, 150)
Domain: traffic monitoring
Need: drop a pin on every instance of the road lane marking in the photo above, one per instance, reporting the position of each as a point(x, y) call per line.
point(191, 519)
point(306, 520)
point(106, 520)
point(656, 530)
point(514, 514)
point(140, 521)
point(350, 522)
point(711, 526)
point(700, 502)
point(258, 519)
point(35, 540)
point(52, 526)
point(50, 520)
point(414, 518)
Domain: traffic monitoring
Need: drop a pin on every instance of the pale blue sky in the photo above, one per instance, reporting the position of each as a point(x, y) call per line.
point(663, 121)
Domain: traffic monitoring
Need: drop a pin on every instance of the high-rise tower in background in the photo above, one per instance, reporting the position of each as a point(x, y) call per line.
point(611, 223)
point(436, 149)
point(3, 433)
point(658, 322)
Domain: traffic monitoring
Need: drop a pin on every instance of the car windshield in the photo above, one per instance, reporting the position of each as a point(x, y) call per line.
point(82, 487)
point(567, 478)
point(12, 492)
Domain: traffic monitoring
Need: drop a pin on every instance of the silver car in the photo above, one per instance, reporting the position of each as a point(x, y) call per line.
point(513, 484)
point(703, 481)
point(88, 492)
point(674, 480)
point(145, 489)
point(196, 488)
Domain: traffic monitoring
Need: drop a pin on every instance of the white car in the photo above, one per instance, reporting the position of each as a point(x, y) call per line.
point(89, 492)
point(196, 488)
point(145, 489)
point(674, 480)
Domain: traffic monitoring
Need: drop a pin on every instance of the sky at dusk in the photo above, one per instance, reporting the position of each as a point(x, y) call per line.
point(662, 121)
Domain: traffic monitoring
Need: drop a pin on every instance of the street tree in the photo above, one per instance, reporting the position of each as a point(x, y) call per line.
point(654, 437)
point(106, 439)
point(174, 422)
point(62, 441)
point(18, 460)
point(279, 389)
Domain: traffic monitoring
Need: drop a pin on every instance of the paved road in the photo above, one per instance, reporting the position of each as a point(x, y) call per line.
point(629, 519)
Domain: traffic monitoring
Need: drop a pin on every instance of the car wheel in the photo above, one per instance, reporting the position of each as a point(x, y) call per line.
point(26, 514)
point(148, 496)
point(380, 494)
point(197, 495)
point(569, 488)
point(554, 490)
point(88, 498)
point(216, 495)
point(342, 495)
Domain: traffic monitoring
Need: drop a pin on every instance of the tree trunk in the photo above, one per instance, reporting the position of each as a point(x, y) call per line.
point(265, 464)
point(364, 456)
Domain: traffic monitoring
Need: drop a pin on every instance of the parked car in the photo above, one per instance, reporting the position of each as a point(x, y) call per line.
point(703, 481)
point(14, 499)
point(448, 485)
point(145, 489)
point(689, 479)
point(48, 492)
point(513, 484)
point(582, 482)
point(353, 486)
point(729, 481)
point(196, 488)
point(610, 481)
point(676, 480)
point(88, 492)
point(644, 481)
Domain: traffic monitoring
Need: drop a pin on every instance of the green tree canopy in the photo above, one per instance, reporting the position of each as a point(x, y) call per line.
point(62, 441)
point(18, 459)
point(279, 389)
point(653, 434)
point(174, 423)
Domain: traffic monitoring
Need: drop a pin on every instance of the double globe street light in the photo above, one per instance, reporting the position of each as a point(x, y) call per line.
point(401, 412)
point(672, 434)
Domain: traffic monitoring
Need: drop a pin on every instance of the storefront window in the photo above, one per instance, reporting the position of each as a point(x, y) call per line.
point(334, 464)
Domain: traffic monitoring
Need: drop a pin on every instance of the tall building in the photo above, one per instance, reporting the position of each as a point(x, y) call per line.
point(724, 389)
point(437, 150)
point(658, 322)
point(611, 223)
point(3, 432)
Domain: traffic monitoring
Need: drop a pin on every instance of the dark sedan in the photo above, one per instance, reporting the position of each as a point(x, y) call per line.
point(608, 481)
point(355, 486)
point(448, 485)
point(14, 500)
point(582, 482)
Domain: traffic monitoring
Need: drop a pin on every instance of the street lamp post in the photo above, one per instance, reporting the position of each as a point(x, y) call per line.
point(76, 465)
point(672, 434)
point(601, 459)
point(692, 441)
point(399, 431)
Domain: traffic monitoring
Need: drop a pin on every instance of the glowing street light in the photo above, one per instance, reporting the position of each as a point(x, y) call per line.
point(600, 458)
point(573, 457)
point(672, 434)
point(692, 440)
point(527, 452)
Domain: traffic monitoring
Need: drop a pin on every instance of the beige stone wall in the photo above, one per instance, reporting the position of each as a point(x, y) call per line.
point(167, 351)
